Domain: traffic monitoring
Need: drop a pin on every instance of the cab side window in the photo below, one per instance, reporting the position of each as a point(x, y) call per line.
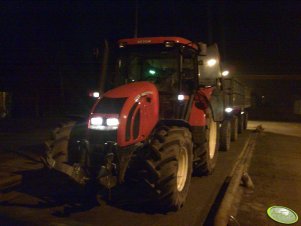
point(189, 72)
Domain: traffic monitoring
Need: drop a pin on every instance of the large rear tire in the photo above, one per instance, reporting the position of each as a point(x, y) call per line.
point(208, 150)
point(167, 167)
point(225, 139)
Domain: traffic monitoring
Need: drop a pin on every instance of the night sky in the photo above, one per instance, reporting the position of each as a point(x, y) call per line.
point(255, 36)
point(42, 42)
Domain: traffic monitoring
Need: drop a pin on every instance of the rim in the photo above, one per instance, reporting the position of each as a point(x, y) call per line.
point(182, 169)
point(212, 138)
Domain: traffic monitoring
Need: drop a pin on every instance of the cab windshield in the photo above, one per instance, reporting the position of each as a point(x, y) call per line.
point(150, 63)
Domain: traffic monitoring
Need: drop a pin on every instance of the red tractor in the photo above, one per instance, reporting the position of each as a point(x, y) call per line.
point(159, 125)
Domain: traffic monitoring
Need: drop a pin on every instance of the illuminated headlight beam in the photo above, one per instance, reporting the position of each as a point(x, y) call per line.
point(104, 123)
point(96, 121)
point(112, 121)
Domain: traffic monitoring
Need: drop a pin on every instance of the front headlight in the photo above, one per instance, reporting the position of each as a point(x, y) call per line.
point(96, 121)
point(104, 122)
point(112, 121)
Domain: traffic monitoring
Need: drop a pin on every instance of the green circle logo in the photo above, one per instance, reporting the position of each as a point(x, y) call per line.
point(282, 214)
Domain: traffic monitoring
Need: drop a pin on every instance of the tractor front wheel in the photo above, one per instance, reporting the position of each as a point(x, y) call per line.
point(63, 144)
point(167, 167)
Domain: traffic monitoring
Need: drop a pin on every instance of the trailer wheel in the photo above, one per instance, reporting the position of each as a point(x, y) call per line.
point(234, 128)
point(240, 123)
point(246, 120)
point(208, 150)
point(167, 167)
point(225, 138)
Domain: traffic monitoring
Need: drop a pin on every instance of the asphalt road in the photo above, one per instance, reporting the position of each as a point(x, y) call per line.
point(276, 172)
point(49, 198)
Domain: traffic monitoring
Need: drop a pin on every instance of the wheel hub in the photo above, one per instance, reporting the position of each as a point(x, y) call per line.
point(212, 138)
point(182, 168)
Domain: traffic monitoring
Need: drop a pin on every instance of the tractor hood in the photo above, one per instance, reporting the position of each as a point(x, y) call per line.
point(135, 105)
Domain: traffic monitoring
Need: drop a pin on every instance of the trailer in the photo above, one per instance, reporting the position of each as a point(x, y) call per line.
point(237, 100)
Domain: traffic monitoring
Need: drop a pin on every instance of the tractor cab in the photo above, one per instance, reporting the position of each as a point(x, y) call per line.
point(171, 63)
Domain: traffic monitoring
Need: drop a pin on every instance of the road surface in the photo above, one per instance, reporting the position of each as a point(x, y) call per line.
point(276, 172)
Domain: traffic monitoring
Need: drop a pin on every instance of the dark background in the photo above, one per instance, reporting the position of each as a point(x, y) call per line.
point(47, 58)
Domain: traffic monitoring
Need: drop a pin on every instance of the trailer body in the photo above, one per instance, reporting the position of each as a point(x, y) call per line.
point(236, 95)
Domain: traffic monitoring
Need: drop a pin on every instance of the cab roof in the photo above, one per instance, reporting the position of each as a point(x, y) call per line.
point(157, 40)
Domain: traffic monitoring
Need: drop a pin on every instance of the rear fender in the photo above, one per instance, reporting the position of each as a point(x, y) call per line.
point(217, 105)
point(205, 98)
point(173, 122)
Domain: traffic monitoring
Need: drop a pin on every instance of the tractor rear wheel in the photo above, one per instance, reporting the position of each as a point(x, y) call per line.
point(208, 150)
point(167, 167)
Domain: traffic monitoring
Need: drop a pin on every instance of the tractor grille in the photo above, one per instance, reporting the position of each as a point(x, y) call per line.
point(101, 137)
